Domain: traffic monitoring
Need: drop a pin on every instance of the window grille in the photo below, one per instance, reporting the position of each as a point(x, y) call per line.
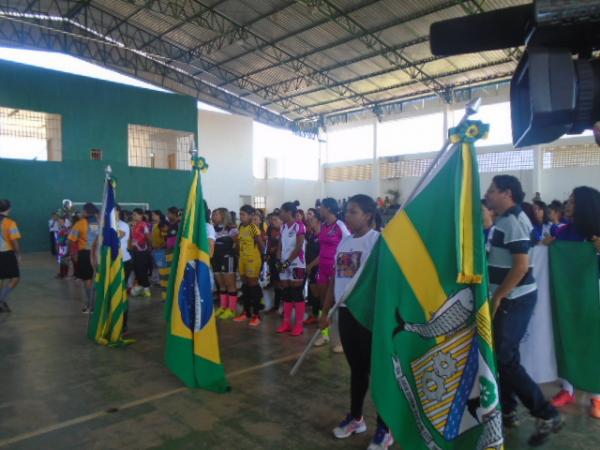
point(159, 148)
point(28, 134)
point(505, 161)
point(357, 172)
point(259, 202)
point(400, 168)
point(582, 155)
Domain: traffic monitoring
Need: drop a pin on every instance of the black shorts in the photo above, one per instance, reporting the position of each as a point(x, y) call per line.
point(9, 266)
point(85, 271)
point(224, 263)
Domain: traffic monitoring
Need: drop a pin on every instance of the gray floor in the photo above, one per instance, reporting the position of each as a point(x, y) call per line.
point(60, 391)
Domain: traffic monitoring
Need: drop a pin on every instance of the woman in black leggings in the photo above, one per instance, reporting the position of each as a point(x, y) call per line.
point(351, 253)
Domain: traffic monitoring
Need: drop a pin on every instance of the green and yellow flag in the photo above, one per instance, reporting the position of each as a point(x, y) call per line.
point(192, 342)
point(424, 294)
point(106, 324)
point(576, 312)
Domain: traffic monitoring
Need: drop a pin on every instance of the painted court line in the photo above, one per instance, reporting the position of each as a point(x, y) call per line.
point(151, 398)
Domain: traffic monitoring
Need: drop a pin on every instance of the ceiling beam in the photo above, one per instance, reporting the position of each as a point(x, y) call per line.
point(349, 62)
point(414, 82)
point(60, 36)
point(292, 34)
point(197, 15)
point(372, 40)
point(131, 36)
point(425, 91)
point(352, 37)
point(276, 53)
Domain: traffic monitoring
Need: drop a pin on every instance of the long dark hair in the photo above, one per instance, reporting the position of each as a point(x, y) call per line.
point(162, 220)
point(366, 204)
point(528, 210)
point(540, 204)
point(587, 211)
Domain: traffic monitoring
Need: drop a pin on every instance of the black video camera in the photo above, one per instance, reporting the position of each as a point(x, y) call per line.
point(555, 89)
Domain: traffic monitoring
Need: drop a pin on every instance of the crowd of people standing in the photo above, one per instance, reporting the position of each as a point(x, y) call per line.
point(291, 259)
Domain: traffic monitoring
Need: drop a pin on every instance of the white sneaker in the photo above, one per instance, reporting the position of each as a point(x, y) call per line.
point(382, 440)
point(321, 341)
point(136, 291)
point(349, 426)
point(338, 349)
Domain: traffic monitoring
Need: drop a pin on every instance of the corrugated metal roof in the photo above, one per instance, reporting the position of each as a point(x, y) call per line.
point(364, 47)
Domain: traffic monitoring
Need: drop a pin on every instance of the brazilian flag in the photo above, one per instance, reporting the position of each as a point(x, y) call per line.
point(106, 324)
point(192, 351)
point(423, 292)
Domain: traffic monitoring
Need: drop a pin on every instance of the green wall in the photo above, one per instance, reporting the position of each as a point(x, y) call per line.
point(95, 114)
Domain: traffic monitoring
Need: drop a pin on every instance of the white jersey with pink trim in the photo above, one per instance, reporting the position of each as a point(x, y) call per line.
point(288, 243)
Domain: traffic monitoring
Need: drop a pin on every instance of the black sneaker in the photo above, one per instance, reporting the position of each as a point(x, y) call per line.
point(544, 428)
point(511, 420)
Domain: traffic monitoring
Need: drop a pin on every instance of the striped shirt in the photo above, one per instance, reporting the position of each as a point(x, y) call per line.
point(511, 235)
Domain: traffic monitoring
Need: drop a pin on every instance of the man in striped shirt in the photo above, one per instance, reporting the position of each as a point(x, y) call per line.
point(514, 294)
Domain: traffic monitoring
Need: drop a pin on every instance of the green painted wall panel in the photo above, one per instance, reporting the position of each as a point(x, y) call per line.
point(95, 114)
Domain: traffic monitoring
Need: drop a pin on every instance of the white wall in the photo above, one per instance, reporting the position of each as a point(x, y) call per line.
point(226, 142)
point(283, 190)
point(558, 183)
point(345, 189)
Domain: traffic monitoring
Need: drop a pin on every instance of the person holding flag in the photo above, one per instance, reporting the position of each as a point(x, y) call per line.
point(353, 251)
point(423, 295)
point(109, 312)
point(192, 348)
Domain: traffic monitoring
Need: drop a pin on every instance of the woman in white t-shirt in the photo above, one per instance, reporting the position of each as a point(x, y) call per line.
point(352, 252)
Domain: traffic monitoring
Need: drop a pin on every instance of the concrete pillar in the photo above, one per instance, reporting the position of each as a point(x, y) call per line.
point(322, 137)
point(446, 123)
point(538, 171)
point(376, 180)
point(53, 137)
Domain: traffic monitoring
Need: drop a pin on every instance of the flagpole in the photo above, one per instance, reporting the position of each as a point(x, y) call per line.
point(107, 175)
point(471, 108)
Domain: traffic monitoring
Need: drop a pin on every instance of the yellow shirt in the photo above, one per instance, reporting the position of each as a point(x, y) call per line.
point(158, 237)
point(248, 247)
point(8, 234)
point(85, 233)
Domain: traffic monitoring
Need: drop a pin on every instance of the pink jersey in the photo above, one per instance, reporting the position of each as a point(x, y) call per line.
point(329, 238)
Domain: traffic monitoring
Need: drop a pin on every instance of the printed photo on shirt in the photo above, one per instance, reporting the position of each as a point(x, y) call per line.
point(348, 264)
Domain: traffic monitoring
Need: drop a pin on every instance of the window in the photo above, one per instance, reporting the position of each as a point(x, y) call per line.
point(350, 144)
point(583, 155)
point(159, 148)
point(279, 153)
point(418, 134)
point(96, 154)
point(358, 172)
point(505, 161)
point(30, 135)
point(259, 202)
point(390, 168)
